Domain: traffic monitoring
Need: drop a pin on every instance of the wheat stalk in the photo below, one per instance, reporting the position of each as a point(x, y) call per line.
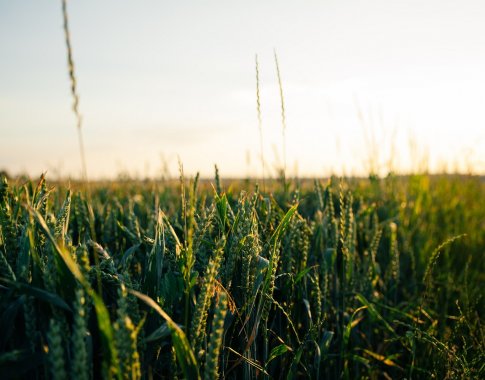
point(215, 342)
point(75, 96)
point(283, 112)
point(260, 122)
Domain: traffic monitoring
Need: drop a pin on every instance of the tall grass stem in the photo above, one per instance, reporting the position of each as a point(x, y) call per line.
point(260, 123)
point(283, 112)
point(75, 95)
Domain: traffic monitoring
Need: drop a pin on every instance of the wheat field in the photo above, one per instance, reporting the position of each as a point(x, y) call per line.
point(371, 278)
point(263, 278)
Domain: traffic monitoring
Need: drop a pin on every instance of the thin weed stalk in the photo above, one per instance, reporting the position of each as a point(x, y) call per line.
point(283, 113)
point(260, 123)
point(75, 96)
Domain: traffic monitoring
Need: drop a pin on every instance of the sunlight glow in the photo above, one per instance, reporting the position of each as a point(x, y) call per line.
point(376, 87)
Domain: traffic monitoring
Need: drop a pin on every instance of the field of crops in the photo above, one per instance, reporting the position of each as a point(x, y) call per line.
point(338, 279)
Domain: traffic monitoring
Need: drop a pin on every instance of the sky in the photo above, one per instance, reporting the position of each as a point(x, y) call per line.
point(368, 85)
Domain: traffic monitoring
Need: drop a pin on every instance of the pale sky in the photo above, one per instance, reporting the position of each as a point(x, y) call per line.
point(165, 79)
